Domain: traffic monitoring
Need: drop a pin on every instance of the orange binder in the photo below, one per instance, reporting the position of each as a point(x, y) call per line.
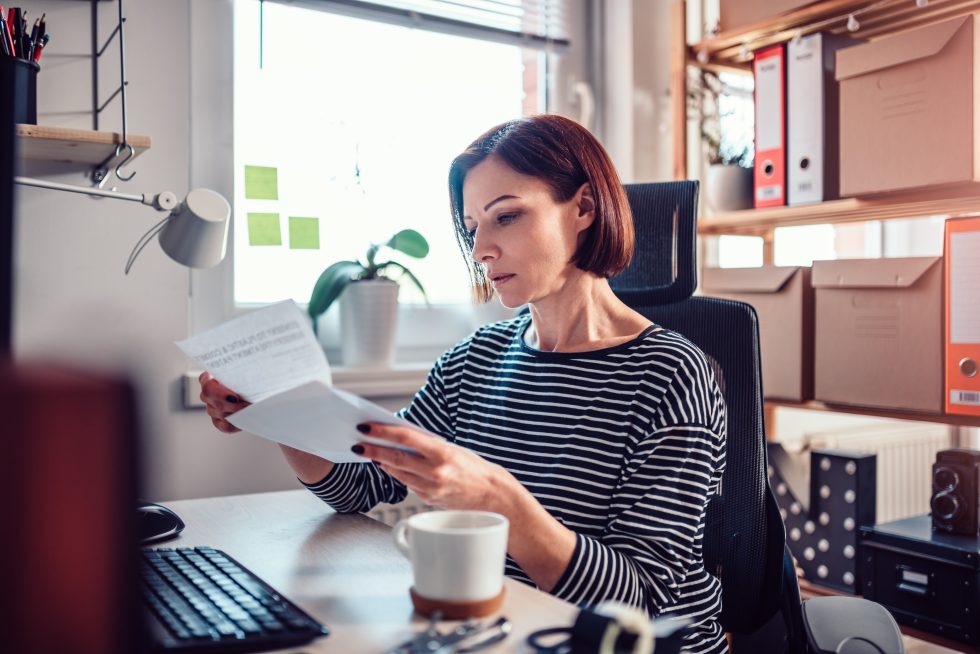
point(962, 262)
point(769, 67)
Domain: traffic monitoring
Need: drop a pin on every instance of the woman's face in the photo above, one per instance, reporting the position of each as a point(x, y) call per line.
point(522, 236)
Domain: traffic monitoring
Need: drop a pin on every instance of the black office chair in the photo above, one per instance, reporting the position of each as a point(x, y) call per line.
point(744, 540)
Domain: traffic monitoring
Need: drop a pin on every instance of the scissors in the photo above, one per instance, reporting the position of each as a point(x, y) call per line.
point(431, 641)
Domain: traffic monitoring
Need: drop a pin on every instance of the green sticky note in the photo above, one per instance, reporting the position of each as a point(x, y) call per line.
point(263, 229)
point(261, 183)
point(304, 233)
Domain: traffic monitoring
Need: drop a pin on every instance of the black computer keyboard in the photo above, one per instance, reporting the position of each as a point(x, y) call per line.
point(202, 600)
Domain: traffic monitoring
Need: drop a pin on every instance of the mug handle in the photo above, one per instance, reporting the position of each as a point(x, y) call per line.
point(399, 535)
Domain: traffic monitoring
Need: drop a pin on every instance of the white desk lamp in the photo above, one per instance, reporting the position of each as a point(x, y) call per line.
point(194, 234)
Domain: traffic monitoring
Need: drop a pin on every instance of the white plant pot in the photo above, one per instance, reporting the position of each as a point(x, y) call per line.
point(368, 318)
point(728, 187)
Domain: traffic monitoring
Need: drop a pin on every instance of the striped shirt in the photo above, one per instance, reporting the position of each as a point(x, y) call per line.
point(624, 446)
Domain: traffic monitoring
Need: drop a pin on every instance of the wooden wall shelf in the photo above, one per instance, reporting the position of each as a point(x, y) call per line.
point(942, 418)
point(956, 201)
point(828, 16)
point(73, 145)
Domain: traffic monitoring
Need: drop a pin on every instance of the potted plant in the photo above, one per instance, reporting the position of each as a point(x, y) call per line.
point(368, 299)
point(728, 184)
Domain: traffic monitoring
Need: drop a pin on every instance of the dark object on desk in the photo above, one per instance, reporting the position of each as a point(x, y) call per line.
point(929, 580)
point(955, 501)
point(612, 627)
point(202, 600)
point(156, 523)
point(67, 490)
point(822, 521)
point(744, 540)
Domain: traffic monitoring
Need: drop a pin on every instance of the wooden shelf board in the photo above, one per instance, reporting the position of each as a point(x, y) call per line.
point(72, 145)
point(813, 405)
point(951, 201)
point(828, 16)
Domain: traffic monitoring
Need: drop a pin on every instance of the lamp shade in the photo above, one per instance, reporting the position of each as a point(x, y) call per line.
point(197, 231)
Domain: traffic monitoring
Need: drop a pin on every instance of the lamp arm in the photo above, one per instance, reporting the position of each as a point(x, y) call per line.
point(165, 201)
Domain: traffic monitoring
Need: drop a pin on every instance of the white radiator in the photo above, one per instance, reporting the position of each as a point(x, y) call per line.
point(905, 454)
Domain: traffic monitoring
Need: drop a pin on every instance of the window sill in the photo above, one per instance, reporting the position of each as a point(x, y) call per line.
point(402, 380)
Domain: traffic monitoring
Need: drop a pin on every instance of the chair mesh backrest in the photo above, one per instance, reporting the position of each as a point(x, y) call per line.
point(664, 264)
point(743, 540)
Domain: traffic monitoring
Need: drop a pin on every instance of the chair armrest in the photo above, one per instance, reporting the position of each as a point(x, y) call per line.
point(850, 625)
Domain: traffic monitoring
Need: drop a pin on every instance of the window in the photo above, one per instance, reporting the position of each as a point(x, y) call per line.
point(344, 129)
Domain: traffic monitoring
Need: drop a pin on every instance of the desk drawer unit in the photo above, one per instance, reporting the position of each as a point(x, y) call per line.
point(927, 580)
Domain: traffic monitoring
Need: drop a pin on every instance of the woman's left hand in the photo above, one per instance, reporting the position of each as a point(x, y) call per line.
point(440, 473)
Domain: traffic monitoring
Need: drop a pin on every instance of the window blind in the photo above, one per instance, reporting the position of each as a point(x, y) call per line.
point(538, 24)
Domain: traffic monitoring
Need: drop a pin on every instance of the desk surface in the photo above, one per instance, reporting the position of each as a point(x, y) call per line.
point(345, 571)
point(342, 569)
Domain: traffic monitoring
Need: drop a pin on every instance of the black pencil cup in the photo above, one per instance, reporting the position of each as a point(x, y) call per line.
point(25, 91)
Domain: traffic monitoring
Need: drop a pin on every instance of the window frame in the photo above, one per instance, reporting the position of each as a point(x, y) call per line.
point(424, 332)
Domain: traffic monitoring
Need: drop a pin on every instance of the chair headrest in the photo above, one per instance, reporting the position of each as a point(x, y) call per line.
point(664, 265)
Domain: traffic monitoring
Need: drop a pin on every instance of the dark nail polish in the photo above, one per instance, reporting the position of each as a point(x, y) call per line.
point(232, 399)
point(364, 428)
point(357, 449)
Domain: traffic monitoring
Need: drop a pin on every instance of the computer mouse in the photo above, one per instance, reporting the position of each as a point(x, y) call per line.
point(155, 523)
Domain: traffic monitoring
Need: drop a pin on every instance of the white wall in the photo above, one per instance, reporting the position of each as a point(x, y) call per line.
point(73, 304)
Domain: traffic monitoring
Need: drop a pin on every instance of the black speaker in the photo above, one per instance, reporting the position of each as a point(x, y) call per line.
point(955, 499)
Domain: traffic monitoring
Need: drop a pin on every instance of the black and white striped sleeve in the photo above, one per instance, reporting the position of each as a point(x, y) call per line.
point(652, 538)
point(359, 487)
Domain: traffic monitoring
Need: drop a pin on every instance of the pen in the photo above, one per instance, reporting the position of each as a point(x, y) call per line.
point(4, 43)
point(39, 47)
point(10, 21)
point(13, 24)
point(29, 54)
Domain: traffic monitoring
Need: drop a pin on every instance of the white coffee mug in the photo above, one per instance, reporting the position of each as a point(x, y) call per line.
point(457, 556)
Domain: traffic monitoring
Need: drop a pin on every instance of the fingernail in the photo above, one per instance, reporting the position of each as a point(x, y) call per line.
point(364, 428)
point(232, 399)
point(357, 449)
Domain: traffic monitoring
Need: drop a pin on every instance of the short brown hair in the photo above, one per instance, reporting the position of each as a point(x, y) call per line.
point(564, 155)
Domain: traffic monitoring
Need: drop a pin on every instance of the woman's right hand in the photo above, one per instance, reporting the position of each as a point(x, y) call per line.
point(221, 402)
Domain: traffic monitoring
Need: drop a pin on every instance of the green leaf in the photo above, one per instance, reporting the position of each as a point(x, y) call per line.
point(410, 242)
point(408, 273)
point(330, 285)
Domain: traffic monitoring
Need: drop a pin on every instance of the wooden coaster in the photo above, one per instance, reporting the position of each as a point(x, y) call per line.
point(457, 610)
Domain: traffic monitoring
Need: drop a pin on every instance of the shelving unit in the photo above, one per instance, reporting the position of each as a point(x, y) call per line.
point(73, 145)
point(732, 51)
point(813, 405)
point(725, 49)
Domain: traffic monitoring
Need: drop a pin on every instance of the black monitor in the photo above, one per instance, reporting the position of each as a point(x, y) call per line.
point(67, 490)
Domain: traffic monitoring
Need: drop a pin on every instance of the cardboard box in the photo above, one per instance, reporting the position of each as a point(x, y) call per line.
point(735, 14)
point(879, 333)
point(783, 299)
point(908, 109)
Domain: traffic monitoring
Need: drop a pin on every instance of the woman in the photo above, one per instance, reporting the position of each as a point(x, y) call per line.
point(599, 435)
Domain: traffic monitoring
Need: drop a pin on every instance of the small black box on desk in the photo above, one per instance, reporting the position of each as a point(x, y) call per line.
point(928, 580)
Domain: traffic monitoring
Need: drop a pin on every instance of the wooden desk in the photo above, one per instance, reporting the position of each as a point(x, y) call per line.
point(342, 569)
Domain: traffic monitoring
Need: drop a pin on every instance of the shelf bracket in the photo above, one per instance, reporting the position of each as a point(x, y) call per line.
point(100, 173)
